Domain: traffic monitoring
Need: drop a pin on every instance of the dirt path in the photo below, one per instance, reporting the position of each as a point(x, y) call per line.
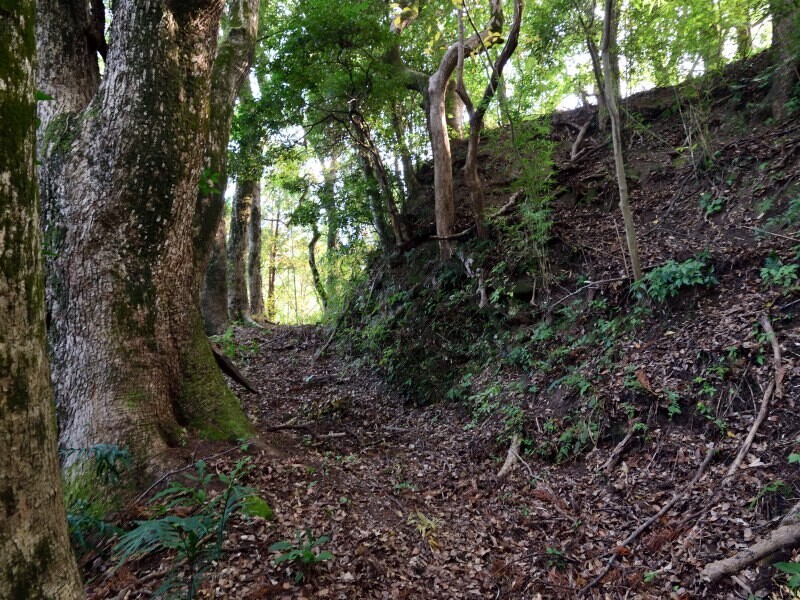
point(413, 508)
point(410, 500)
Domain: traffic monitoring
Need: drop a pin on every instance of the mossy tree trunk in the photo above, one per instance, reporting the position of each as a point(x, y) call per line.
point(36, 559)
point(238, 305)
point(121, 162)
point(254, 257)
point(214, 294)
point(231, 66)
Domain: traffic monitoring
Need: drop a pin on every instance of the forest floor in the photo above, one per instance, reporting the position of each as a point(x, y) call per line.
point(411, 502)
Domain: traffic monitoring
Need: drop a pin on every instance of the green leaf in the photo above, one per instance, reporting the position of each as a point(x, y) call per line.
point(40, 96)
point(278, 546)
point(794, 458)
point(324, 555)
point(787, 567)
point(254, 506)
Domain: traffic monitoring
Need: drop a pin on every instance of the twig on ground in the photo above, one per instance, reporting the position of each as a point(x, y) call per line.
point(639, 530)
point(762, 414)
point(609, 465)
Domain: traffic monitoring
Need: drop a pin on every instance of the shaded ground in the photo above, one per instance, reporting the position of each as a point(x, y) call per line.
point(413, 507)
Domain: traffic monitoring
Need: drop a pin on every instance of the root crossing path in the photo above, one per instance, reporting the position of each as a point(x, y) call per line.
point(411, 506)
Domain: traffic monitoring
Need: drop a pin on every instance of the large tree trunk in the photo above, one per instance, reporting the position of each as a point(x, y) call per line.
point(214, 294)
point(440, 141)
point(254, 256)
point(233, 62)
point(36, 560)
point(238, 307)
point(120, 168)
point(786, 52)
point(476, 117)
point(611, 78)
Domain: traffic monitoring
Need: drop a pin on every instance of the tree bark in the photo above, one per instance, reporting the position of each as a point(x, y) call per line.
point(375, 204)
point(440, 141)
point(786, 52)
point(238, 306)
point(455, 110)
point(119, 174)
point(476, 117)
point(214, 294)
point(231, 66)
point(612, 96)
point(254, 256)
point(36, 559)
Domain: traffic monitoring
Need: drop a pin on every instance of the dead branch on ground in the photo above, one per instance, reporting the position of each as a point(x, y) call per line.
point(511, 457)
point(639, 530)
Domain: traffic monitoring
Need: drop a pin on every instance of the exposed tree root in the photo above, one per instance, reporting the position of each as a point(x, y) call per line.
point(511, 457)
point(576, 146)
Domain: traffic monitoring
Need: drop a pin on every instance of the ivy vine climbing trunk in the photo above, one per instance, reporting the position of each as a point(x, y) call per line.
point(36, 559)
point(120, 166)
point(238, 301)
point(440, 140)
point(231, 66)
point(611, 79)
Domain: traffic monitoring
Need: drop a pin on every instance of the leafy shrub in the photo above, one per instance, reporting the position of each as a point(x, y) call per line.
point(197, 538)
point(669, 279)
point(304, 554)
point(775, 272)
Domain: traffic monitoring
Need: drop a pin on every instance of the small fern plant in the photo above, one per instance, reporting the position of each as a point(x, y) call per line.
point(192, 524)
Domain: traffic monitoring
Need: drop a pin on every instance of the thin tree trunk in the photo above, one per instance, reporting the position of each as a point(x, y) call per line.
point(273, 269)
point(440, 141)
point(413, 186)
point(455, 110)
point(254, 256)
point(312, 263)
point(238, 307)
point(214, 294)
point(612, 96)
point(36, 559)
point(233, 62)
point(375, 204)
point(370, 152)
point(119, 174)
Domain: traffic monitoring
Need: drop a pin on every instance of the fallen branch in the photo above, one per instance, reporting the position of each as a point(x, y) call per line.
point(639, 530)
point(609, 465)
point(573, 154)
point(511, 457)
point(776, 355)
point(226, 366)
point(786, 536)
point(762, 414)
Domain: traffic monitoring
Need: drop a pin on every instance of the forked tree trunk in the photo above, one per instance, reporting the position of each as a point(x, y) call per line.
point(476, 117)
point(238, 306)
point(254, 257)
point(120, 168)
point(214, 294)
point(612, 97)
point(232, 64)
point(36, 559)
point(440, 141)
